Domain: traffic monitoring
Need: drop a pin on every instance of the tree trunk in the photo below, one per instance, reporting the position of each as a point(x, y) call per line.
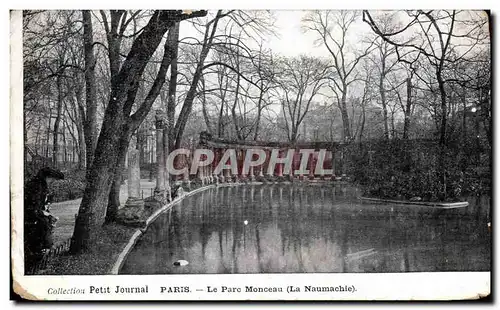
point(293, 134)
point(48, 133)
point(141, 141)
point(259, 113)
point(345, 118)
point(442, 132)
point(407, 110)
point(118, 123)
point(65, 145)
point(37, 135)
point(384, 105)
point(57, 122)
point(220, 125)
point(81, 146)
point(79, 113)
point(73, 149)
point(363, 121)
point(90, 115)
point(114, 194)
point(92, 209)
point(206, 117)
point(223, 91)
point(191, 94)
point(233, 109)
point(172, 87)
point(442, 139)
point(393, 126)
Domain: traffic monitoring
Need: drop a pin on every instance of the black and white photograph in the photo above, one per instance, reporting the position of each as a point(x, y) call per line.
point(213, 154)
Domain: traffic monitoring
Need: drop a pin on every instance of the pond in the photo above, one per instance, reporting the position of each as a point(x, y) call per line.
point(297, 229)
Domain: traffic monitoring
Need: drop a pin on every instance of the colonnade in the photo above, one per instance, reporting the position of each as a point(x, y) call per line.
point(322, 152)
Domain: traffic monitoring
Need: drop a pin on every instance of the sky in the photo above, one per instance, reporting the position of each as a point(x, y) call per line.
point(290, 39)
point(293, 41)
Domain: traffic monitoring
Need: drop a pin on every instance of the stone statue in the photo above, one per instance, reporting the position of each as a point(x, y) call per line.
point(38, 221)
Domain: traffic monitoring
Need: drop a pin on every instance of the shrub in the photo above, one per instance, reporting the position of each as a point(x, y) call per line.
point(397, 169)
point(72, 187)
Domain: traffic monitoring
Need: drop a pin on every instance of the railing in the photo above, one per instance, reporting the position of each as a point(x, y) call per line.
point(55, 251)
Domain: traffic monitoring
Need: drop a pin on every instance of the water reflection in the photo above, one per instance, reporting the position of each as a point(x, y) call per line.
point(282, 228)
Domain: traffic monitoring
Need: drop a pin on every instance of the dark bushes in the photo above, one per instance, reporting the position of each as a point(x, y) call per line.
point(70, 188)
point(399, 169)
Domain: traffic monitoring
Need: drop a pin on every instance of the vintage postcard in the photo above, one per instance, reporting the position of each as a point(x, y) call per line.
point(251, 154)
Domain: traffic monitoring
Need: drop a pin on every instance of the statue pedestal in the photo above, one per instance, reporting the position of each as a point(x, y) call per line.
point(132, 212)
point(162, 196)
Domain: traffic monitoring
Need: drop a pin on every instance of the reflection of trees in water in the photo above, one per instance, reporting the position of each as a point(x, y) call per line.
point(259, 249)
point(204, 231)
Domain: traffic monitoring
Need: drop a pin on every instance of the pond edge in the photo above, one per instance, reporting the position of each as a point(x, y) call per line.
point(439, 205)
point(140, 231)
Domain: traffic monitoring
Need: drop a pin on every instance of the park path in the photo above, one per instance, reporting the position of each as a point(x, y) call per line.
point(66, 210)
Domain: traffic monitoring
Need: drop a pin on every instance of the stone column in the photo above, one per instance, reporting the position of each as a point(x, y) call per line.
point(221, 173)
point(343, 164)
point(134, 180)
point(333, 163)
point(237, 177)
point(261, 167)
point(241, 159)
point(234, 177)
point(205, 175)
point(160, 155)
point(208, 174)
point(186, 181)
point(312, 165)
point(294, 164)
point(325, 157)
point(215, 177)
point(270, 174)
point(211, 170)
point(227, 175)
point(200, 173)
point(166, 152)
point(370, 158)
point(252, 175)
point(280, 165)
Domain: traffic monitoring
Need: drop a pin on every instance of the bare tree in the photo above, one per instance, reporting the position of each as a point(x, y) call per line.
point(441, 38)
point(89, 112)
point(300, 82)
point(247, 24)
point(333, 29)
point(385, 60)
point(210, 32)
point(267, 72)
point(119, 122)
